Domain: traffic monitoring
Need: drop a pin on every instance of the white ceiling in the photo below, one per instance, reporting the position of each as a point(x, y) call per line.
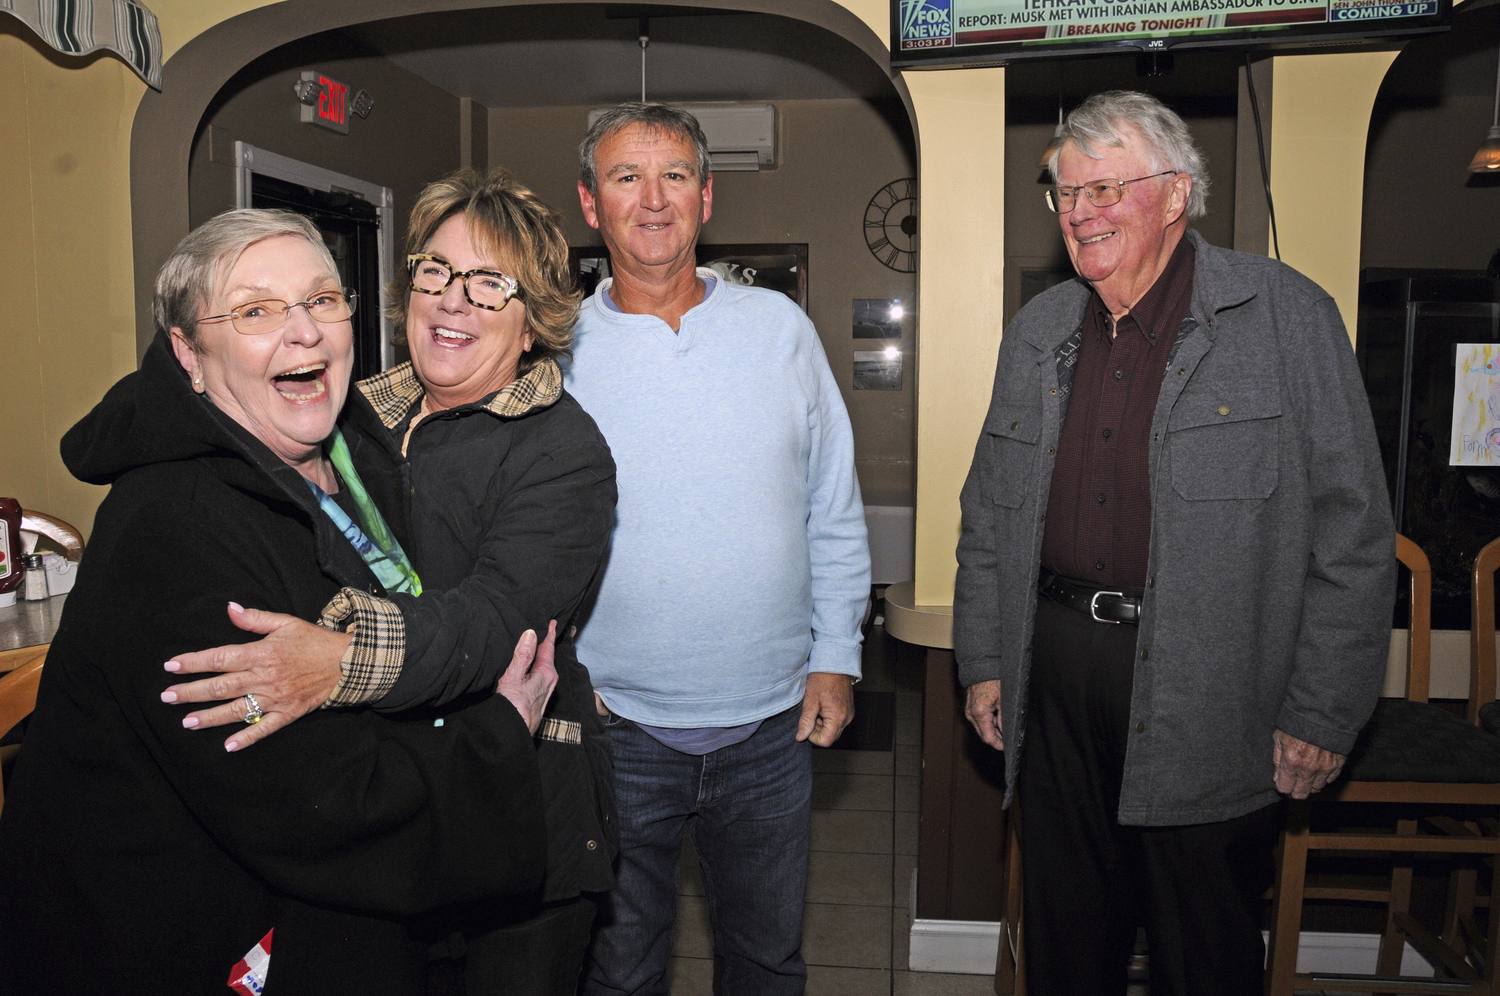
point(573, 54)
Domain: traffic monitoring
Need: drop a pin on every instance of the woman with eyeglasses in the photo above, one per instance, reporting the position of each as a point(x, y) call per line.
point(512, 504)
point(511, 489)
point(349, 854)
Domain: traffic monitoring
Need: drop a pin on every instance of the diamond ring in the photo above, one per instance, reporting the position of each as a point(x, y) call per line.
point(253, 711)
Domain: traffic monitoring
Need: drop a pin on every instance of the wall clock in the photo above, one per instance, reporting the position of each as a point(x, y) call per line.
point(891, 225)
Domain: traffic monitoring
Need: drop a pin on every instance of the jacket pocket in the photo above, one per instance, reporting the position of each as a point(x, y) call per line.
point(1011, 434)
point(1225, 445)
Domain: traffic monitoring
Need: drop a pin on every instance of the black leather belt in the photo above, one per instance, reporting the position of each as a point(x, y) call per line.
point(1119, 604)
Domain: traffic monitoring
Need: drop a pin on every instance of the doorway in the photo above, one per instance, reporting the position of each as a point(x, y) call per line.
point(353, 217)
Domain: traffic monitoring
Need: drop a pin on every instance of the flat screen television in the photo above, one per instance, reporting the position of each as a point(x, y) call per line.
point(929, 33)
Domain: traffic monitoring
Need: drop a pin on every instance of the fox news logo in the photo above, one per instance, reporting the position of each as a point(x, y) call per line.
point(926, 23)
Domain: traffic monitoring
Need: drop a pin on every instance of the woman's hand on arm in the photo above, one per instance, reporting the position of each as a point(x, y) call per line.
point(332, 809)
point(291, 672)
point(529, 680)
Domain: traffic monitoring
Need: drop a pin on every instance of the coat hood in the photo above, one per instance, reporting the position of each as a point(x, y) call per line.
point(153, 416)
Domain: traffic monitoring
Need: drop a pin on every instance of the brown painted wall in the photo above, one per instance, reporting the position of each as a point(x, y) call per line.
point(410, 138)
point(1422, 208)
point(835, 155)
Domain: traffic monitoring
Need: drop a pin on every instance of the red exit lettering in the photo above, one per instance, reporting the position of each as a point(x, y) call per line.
point(333, 101)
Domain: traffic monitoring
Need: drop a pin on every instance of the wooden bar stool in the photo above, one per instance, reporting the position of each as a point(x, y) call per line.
point(17, 700)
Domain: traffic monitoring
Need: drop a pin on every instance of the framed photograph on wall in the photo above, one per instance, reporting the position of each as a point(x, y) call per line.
point(773, 265)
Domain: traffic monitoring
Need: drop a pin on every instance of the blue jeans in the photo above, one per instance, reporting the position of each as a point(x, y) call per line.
point(750, 807)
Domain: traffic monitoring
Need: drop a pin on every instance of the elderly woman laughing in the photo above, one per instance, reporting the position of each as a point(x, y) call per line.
point(512, 497)
point(135, 855)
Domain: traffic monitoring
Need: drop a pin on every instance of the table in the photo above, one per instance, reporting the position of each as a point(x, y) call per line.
point(26, 629)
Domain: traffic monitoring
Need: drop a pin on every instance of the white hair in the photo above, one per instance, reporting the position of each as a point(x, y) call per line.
point(189, 278)
point(1103, 121)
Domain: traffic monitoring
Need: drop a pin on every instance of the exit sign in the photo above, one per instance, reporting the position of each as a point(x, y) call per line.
point(331, 108)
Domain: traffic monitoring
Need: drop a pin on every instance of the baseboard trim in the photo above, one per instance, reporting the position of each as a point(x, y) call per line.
point(965, 947)
point(969, 947)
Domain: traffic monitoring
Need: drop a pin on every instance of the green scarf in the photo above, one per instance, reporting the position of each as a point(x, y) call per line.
point(375, 543)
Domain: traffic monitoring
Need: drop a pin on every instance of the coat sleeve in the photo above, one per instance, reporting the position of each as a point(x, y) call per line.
point(1349, 587)
point(536, 562)
point(976, 588)
point(384, 815)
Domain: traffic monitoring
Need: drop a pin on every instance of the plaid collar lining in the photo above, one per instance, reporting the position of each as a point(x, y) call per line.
point(396, 392)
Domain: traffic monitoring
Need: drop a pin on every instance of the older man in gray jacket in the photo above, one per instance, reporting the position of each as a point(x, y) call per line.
point(1176, 568)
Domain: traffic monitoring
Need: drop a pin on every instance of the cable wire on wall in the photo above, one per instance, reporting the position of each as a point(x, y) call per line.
point(1260, 142)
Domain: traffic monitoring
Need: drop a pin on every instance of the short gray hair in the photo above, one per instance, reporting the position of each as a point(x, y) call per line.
point(1099, 122)
point(189, 278)
point(656, 117)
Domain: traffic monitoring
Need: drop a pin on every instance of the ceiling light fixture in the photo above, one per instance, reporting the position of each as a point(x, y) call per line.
point(1045, 163)
point(644, 25)
point(1488, 156)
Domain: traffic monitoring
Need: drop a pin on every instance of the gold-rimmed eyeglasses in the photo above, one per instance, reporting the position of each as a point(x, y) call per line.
point(1101, 193)
point(488, 289)
point(261, 317)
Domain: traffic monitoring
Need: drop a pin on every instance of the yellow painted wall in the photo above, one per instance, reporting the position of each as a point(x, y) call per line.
point(961, 278)
point(961, 138)
point(1320, 118)
point(875, 13)
point(67, 311)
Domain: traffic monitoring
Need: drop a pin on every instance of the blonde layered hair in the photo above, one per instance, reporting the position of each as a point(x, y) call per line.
point(520, 235)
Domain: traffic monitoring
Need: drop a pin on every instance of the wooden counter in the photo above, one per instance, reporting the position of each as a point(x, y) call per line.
point(922, 625)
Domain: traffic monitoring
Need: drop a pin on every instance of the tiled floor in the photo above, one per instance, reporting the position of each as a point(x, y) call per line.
point(864, 850)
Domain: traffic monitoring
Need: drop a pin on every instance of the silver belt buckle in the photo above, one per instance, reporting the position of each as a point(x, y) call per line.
point(1094, 606)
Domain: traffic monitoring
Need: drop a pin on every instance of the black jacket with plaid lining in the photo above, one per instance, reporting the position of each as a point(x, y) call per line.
point(512, 503)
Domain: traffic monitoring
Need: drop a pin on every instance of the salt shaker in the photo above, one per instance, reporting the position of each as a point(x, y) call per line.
point(34, 584)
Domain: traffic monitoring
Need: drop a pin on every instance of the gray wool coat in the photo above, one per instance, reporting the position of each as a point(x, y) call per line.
point(1271, 571)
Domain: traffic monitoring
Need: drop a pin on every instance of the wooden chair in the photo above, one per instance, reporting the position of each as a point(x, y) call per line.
point(64, 534)
point(1483, 710)
point(1424, 761)
point(17, 700)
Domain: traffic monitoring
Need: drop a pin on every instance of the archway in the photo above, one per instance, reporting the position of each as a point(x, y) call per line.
point(166, 121)
point(816, 197)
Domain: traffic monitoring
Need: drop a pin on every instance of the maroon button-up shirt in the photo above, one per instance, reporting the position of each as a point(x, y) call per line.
point(1098, 525)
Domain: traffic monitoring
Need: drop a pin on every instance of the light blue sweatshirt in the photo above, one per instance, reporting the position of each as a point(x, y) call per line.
point(739, 559)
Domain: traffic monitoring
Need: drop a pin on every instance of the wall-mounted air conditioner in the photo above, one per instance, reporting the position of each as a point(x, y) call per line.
point(740, 136)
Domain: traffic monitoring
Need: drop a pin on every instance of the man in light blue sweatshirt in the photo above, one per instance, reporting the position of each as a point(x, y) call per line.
point(726, 635)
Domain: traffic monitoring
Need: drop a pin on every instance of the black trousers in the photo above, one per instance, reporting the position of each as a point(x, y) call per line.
point(1088, 881)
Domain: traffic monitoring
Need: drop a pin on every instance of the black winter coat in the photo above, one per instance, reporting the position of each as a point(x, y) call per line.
point(137, 856)
point(512, 505)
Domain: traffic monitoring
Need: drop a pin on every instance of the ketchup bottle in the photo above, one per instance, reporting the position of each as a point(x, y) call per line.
point(10, 550)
